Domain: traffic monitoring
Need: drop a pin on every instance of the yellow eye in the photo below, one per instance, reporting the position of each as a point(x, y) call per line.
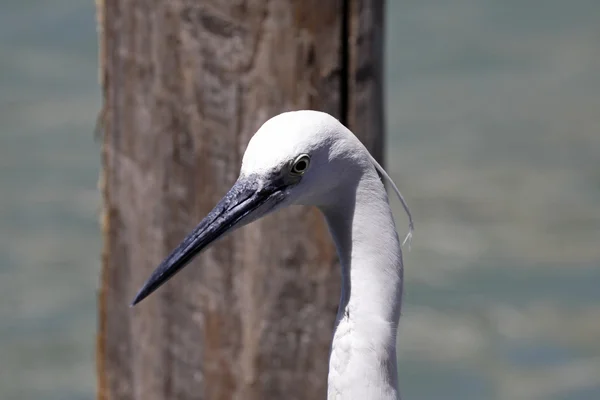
point(300, 164)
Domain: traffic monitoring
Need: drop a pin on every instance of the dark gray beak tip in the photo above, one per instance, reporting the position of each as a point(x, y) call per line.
point(163, 273)
point(136, 300)
point(141, 295)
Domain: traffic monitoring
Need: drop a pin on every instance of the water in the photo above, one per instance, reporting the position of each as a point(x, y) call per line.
point(494, 139)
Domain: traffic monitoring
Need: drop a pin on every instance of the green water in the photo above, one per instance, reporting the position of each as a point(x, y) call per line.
point(493, 110)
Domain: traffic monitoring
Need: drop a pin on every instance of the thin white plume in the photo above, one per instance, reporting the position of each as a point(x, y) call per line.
point(411, 226)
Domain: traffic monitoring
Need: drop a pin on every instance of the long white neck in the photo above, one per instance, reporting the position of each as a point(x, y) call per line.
point(362, 362)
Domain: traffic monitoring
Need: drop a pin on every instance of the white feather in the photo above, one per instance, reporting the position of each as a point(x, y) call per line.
point(342, 181)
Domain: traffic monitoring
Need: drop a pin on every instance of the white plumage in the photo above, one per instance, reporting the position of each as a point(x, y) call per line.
point(310, 158)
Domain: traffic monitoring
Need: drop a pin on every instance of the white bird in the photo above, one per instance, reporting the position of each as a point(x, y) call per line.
point(310, 158)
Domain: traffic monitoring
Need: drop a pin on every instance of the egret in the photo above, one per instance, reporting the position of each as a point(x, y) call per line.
point(310, 158)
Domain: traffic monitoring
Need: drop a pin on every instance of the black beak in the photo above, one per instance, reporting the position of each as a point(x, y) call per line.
point(239, 206)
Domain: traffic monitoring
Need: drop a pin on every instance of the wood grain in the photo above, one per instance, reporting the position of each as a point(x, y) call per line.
point(186, 84)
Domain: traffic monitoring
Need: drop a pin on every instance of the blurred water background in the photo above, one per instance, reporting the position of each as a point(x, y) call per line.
point(493, 122)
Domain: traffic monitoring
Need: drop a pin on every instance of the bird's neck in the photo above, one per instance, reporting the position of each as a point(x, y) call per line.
point(362, 362)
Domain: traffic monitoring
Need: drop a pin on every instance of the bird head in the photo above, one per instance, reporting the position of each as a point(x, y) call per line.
point(299, 157)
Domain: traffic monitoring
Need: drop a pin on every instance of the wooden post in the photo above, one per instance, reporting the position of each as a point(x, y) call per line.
point(186, 83)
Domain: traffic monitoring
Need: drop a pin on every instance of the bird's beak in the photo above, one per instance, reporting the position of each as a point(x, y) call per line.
point(246, 201)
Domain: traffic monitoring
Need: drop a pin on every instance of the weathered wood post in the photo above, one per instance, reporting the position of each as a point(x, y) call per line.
point(186, 83)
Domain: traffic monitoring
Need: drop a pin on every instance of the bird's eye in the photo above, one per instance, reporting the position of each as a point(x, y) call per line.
point(300, 165)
